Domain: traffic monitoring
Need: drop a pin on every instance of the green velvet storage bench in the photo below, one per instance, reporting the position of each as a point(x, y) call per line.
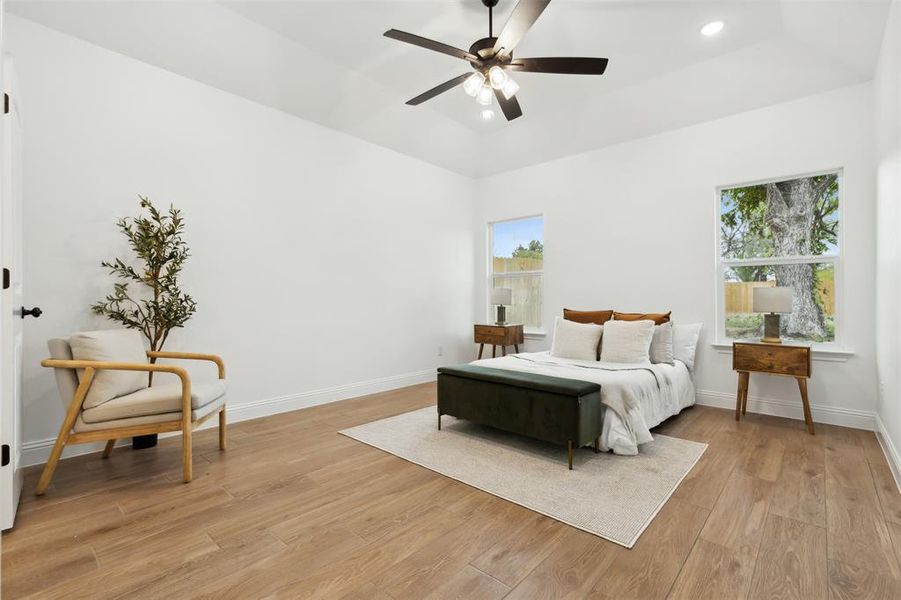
point(552, 409)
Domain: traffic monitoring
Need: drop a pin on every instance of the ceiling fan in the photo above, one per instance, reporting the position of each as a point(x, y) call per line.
point(492, 58)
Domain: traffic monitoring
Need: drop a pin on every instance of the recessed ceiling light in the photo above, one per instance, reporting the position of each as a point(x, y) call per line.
point(712, 28)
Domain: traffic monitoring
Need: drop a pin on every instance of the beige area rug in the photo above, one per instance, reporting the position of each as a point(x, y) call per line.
point(614, 497)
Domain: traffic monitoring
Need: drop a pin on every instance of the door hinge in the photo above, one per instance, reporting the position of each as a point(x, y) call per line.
point(5, 459)
point(5, 103)
point(5, 278)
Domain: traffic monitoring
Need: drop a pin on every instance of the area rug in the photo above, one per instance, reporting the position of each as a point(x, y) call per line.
point(614, 497)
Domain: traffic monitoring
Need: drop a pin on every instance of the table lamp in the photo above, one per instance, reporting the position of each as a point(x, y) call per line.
point(772, 301)
point(501, 297)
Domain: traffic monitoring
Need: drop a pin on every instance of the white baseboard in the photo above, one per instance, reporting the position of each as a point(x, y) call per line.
point(831, 415)
point(36, 452)
point(892, 456)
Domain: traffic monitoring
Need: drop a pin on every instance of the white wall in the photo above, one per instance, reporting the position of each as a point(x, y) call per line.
point(632, 227)
point(318, 260)
point(888, 156)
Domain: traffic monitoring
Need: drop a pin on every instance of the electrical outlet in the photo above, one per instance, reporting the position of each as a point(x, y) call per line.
point(440, 350)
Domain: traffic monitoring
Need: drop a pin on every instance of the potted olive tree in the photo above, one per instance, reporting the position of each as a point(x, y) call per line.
point(146, 295)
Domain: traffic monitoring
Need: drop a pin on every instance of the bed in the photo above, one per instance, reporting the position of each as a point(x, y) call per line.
point(636, 397)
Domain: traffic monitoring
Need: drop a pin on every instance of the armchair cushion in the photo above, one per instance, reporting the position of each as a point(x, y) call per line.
point(66, 379)
point(199, 413)
point(114, 345)
point(159, 399)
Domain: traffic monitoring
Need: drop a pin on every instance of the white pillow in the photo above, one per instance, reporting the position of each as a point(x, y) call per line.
point(661, 350)
point(113, 345)
point(685, 343)
point(576, 340)
point(627, 341)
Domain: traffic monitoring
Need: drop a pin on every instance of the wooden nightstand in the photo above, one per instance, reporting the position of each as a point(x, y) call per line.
point(498, 335)
point(774, 359)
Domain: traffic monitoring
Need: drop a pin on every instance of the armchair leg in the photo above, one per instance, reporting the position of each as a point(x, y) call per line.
point(64, 430)
point(50, 467)
point(223, 434)
point(109, 448)
point(186, 452)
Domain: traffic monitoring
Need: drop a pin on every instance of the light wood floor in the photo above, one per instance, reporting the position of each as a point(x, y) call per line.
point(294, 510)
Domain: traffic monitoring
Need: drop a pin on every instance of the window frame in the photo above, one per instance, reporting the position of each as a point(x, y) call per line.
point(836, 260)
point(489, 268)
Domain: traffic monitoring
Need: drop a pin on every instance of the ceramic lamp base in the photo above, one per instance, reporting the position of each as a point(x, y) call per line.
point(501, 315)
point(771, 329)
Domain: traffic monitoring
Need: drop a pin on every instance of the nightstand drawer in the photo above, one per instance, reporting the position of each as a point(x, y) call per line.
point(494, 340)
point(764, 358)
point(495, 331)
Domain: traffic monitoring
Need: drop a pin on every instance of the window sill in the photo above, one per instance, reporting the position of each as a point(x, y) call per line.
point(534, 335)
point(822, 353)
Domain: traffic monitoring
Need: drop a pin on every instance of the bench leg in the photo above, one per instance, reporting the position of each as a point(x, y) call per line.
point(569, 451)
point(439, 421)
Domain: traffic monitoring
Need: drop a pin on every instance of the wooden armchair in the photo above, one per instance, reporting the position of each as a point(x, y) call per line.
point(93, 416)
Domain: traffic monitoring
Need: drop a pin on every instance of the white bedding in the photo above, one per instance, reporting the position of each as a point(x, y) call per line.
point(637, 396)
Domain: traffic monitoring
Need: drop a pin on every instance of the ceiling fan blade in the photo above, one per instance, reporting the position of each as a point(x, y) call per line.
point(510, 108)
point(438, 89)
point(521, 19)
point(571, 65)
point(428, 44)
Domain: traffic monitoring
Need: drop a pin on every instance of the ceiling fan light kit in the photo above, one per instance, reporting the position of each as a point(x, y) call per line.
point(510, 88)
point(497, 76)
point(485, 95)
point(492, 58)
point(473, 84)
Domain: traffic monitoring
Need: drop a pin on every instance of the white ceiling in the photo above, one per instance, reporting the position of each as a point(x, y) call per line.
point(327, 61)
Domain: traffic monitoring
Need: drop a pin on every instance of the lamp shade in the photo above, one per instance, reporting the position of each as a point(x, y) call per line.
point(502, 296)
point(773, 299)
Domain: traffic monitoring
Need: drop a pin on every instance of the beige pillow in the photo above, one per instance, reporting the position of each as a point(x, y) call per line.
point(111, 345)
point(661, 350)
point(576, 340)
point(627, 341)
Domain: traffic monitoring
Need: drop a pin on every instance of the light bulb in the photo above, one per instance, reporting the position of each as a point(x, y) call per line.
point(712, 28)
point(473, 83)
point(510, 88)
point(485, 95)
point(497, 76)
point(487, 114)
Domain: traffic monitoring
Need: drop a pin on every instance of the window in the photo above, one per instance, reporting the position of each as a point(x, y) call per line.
point(781, 233)
point(517, 262)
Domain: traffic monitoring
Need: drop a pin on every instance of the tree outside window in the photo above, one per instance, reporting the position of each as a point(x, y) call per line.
point(781, 233)
point(517, 262)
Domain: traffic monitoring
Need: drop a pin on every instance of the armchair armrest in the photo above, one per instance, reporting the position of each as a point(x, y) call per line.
point(191, 356)
point(98, 365)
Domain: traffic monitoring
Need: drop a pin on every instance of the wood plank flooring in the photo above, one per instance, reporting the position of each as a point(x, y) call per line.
point(294, 510)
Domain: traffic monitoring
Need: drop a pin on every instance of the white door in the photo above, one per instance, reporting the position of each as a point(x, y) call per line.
point(12, 316)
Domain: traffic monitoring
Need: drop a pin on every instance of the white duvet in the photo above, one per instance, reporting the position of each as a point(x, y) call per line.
point(637, 396)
